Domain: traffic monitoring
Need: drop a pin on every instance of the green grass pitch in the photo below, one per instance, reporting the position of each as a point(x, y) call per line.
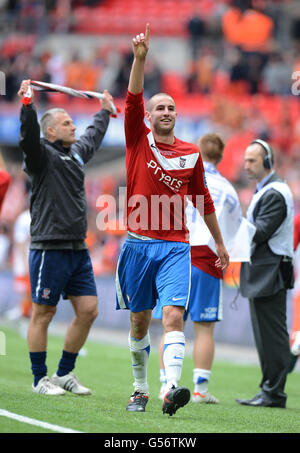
point(106, 370)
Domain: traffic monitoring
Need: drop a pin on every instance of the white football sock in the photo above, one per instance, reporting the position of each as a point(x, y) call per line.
point(201, 379)
point(140, 350)
point(173, 355)
point(162, 376)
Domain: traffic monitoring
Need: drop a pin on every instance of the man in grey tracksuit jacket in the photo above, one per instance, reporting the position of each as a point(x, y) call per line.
point(59, 262)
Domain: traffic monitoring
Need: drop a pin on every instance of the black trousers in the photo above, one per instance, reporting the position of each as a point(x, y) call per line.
point(268, 316)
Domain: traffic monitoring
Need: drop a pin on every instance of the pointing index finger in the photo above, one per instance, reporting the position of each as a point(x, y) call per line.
point(147, 32)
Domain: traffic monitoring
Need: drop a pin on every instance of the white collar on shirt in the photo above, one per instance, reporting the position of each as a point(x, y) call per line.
point(263, 181)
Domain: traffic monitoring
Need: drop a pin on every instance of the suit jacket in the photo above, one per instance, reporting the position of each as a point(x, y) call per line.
point(262, 276)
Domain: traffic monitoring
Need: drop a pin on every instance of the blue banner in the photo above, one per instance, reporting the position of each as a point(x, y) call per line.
point(187, 128)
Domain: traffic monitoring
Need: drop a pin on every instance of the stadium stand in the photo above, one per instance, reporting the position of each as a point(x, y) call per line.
point(236, 81)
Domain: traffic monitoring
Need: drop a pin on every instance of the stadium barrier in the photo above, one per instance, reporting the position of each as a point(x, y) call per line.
point(234, 329)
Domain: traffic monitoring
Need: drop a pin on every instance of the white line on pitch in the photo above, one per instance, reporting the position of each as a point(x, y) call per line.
point(32, 421)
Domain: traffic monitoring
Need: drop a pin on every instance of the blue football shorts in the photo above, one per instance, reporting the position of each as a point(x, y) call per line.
point(205, 304)
point(153, 270)
point(55, 273)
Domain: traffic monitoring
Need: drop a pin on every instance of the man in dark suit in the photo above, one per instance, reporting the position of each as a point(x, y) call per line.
point(265, 280)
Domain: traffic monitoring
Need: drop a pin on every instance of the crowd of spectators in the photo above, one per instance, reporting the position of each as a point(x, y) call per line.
point(248, 47)
point(104, 242)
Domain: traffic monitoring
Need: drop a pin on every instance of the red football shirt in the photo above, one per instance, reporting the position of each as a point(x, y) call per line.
point(204, 258)
point(4, 183)
point(296, 231)
point(159, 177)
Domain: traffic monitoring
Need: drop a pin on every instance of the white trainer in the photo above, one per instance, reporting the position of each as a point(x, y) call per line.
point(204, 398)
point(46, 387)
point(295, 349)
point(70, 383)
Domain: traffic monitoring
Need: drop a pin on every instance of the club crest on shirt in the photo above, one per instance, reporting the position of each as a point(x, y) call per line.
point(46, 293)
point(182, 162)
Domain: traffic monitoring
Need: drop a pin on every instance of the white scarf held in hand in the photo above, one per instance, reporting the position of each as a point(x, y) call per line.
point(43, 86)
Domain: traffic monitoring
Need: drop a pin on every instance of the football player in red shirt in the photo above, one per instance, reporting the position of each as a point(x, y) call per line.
point(155, 260)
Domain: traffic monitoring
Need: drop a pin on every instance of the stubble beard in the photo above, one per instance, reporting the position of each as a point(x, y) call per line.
point(164, 131)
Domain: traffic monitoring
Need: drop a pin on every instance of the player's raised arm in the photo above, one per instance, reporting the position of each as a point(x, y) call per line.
point(34, 153)
point(140, 45)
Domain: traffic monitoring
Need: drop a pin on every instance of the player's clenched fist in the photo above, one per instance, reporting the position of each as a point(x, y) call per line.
point(140, 43)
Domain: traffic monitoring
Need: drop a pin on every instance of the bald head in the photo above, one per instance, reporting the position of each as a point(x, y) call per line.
point(254, 162)
point(157, 99)
point(161, 113)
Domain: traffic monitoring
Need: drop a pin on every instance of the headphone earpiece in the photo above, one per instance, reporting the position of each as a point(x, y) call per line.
point(268, 159)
